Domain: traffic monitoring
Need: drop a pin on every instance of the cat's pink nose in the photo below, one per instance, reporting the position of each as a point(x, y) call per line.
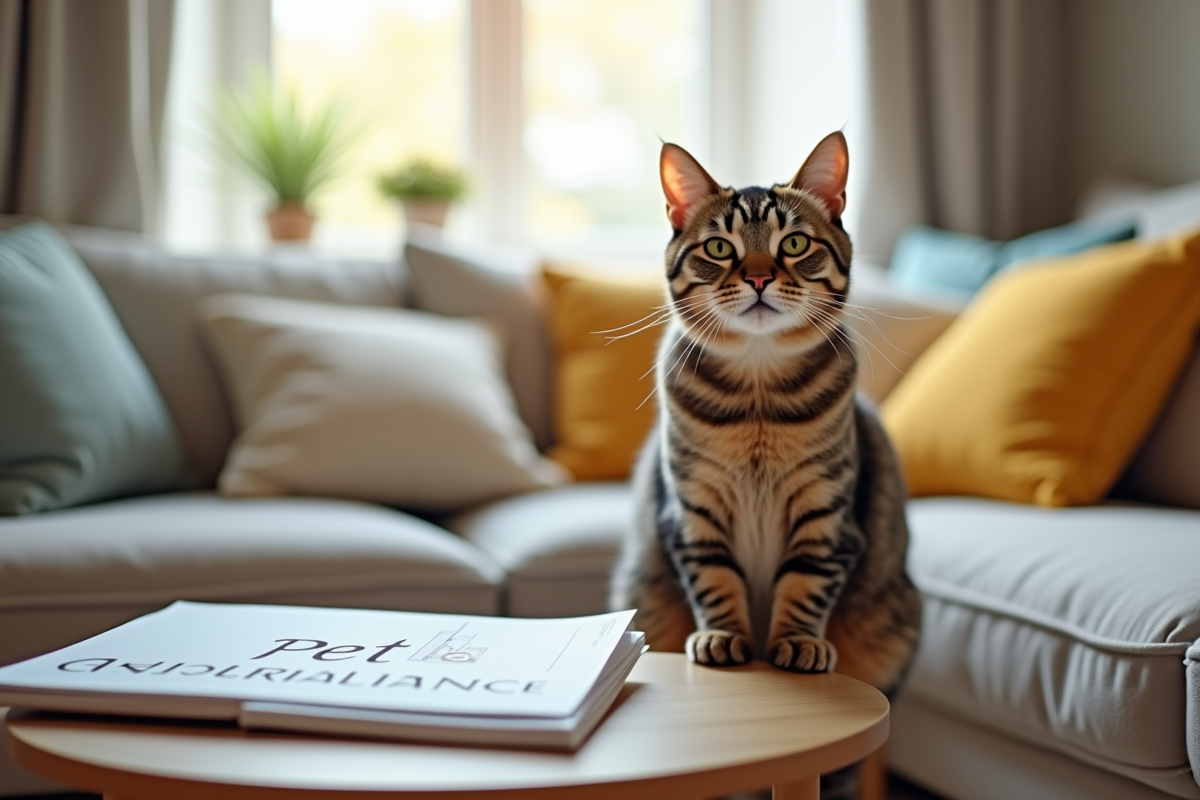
point(759, 282)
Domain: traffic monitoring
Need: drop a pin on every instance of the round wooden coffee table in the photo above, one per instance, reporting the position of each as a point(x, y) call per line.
point(677, 731)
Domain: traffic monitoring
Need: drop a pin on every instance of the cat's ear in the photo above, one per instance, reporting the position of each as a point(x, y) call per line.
point(824, 173)
point(684, 182)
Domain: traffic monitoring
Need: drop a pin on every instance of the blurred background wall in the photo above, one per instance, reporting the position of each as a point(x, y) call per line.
point(1134, 66)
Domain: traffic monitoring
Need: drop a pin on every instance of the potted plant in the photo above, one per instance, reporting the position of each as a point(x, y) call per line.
point(289, 154)
point(424, 189)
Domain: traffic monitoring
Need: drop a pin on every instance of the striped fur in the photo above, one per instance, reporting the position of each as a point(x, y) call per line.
point(770, 504)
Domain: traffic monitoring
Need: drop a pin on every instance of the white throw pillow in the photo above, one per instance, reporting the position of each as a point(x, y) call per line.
point(386, 405)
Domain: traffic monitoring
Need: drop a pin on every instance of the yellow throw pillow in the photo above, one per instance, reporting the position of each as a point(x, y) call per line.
point(601, 385)
point(1043, 389)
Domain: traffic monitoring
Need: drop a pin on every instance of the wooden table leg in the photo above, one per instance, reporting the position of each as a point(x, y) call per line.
point(872, 777)
point(803, 789)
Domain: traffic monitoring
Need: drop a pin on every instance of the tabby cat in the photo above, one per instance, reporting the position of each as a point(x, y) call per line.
point(770, 503)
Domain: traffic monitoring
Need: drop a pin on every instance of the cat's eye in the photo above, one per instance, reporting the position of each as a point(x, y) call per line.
point(718, 248)
point(794, 245)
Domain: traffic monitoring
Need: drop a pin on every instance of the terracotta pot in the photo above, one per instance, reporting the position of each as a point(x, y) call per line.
point(425, 211)
point(290, 222)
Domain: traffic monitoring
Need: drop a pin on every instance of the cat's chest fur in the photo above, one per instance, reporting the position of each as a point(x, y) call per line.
point(759, 396)
point(762, 467)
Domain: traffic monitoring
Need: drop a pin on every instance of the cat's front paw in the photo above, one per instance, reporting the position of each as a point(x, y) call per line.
point(803, 654)
point(719, 648)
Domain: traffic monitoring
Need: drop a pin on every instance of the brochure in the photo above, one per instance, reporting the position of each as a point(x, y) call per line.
point(388, 674)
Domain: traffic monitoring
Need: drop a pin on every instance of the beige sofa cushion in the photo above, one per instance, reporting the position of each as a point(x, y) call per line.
point(557, 546)
point(1074, 629)
point(71, 574)
point(155, 295)
point(385, 405)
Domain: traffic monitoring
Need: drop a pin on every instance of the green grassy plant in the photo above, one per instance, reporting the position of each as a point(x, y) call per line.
point(421, 179)
point(289, 154)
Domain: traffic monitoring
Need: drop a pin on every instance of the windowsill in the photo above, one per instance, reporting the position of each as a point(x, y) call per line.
point(329, 241)
point(637, 247)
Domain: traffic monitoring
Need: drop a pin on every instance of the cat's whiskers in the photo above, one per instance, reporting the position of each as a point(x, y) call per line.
point(698, 344)
point(811, 317)
point(721, 330)
point(870, 322)
point(661, 314)
point(694, 320)
point(703, 338)
point(666, 374)
point(821, 310)
point(870, 344)
point(873, 309)
point(833, 325)
point(835, 328)
point(696, 336)
point(666, 317)
point(698, 311)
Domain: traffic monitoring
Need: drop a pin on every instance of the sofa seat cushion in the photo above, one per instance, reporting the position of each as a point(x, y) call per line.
point(71, 574)
point(1074, 629)
point(558, 546)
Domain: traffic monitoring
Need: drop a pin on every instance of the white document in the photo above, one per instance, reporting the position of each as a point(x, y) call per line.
point(211, 660)
point(511, 731)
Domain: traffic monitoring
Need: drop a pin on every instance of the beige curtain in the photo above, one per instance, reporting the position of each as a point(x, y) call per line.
point(966, 118)
point(82, 92)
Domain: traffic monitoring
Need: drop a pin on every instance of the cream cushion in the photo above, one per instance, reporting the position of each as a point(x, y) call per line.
point(387, 405)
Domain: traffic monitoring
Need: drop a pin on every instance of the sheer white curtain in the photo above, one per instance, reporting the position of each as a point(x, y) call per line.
point(782, 75)
point(495, 118)
point(82, 88)
point(217, 45)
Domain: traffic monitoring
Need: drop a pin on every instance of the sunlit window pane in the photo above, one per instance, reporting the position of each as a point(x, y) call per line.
point(604, 81)
point(400, 65)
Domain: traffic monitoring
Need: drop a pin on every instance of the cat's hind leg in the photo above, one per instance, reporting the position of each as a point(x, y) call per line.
point(644, 577)
point(649, 584)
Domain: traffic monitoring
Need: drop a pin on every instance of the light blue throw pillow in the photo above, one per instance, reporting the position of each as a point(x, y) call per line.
point(931, 258)
point(80, 417)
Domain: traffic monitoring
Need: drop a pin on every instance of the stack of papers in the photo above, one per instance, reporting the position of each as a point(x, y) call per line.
point(541, 683)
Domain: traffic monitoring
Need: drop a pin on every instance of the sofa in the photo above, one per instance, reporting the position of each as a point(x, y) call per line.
point(1059, 656)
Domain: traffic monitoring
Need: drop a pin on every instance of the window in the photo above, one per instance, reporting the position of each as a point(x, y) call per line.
point(600, 82)
point(604, 82)
point(555, 107)
point(400, 67)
